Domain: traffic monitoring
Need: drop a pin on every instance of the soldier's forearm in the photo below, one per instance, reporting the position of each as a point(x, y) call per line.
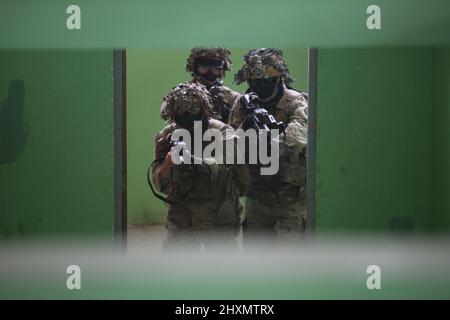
point(164, 171)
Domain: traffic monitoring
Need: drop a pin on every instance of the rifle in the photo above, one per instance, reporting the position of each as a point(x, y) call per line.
point(220, 106)
point(257, 117)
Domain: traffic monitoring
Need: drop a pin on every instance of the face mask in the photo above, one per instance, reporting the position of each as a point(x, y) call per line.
point(186, 120)
point(264, 88)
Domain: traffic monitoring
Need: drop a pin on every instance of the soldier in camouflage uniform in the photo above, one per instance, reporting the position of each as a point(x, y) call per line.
point(208, 66)
point(204, 198)
point(276, 205)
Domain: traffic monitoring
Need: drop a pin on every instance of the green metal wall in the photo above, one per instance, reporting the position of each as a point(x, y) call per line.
point(56, 142)
point(382, 139)
point(440, 144)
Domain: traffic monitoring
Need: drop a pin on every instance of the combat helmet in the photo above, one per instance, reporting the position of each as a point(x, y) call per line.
point(263, 63)
point(187, 97)
point(211, 53)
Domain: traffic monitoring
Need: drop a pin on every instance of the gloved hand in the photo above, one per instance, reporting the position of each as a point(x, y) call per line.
point(205, 166)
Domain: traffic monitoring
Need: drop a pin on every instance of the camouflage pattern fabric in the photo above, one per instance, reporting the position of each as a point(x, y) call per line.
point(212, 53)
point(263, 63)
point(205, 207)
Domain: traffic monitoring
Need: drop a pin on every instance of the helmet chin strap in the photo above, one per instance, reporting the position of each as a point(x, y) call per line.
point(204, 81)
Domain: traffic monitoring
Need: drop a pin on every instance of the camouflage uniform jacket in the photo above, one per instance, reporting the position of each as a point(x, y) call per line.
point(289, 184)
point(187, 183)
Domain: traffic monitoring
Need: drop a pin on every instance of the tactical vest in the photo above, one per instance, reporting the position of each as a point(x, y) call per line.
point(194, 182)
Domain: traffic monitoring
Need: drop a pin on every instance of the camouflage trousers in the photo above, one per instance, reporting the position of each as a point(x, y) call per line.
point(265, 223)
point(193, 223)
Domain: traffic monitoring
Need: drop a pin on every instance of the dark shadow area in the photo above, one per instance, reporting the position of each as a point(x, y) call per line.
point(13, 129)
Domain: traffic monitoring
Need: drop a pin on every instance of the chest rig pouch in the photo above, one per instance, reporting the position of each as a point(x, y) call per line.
point(197, 182)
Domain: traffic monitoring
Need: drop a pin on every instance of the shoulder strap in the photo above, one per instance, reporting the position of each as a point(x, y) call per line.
point(160, 197)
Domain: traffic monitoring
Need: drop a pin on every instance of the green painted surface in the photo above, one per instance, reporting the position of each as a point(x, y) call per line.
point(382, 148)
point(237, 23)
point(440, 126)
point(56, 142)
point(151, 73)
